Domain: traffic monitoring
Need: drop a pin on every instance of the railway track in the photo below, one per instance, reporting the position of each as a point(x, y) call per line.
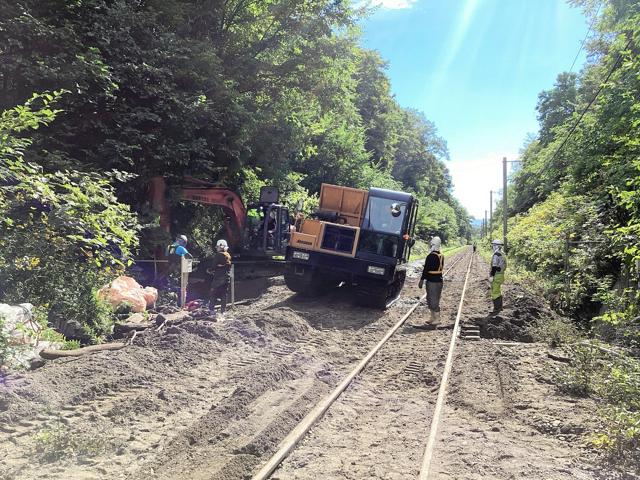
point(400, 386)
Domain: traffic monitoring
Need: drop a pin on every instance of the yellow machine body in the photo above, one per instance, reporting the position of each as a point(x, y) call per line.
point(340, 212)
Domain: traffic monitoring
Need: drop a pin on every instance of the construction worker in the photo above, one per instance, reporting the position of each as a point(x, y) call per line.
point(179, 247)
point(221, 273)
point(175, 252)
point(432, 273)
point(496, 276)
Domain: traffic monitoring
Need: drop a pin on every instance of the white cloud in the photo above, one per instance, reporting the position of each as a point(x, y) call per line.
point(473, 178)
point(390, 4)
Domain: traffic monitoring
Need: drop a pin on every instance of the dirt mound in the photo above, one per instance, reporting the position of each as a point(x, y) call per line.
point(282, 323)
point(522, 309)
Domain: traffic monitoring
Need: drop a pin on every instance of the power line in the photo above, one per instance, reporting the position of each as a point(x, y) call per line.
point(575, 125)
point(595, 17)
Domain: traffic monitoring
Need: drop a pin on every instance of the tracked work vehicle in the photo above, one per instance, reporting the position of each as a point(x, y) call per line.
point(357, 237)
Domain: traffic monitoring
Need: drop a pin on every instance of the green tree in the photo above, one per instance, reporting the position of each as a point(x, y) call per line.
point(62, 234)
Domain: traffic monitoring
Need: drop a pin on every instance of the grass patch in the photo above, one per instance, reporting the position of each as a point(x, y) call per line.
point(56, 442)
point(451, 251)
point(555, 332)
point(613, 379)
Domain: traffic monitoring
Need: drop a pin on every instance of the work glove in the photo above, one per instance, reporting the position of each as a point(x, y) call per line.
point(491, 279)
point(421, 283)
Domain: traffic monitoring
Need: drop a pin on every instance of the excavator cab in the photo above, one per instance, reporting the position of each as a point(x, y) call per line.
point(268, 226)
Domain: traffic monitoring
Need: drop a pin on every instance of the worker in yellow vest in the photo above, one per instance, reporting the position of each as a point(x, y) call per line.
point(432, 273)
point(496, 275)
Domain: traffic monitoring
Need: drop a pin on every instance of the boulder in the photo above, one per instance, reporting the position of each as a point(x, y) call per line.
point(126, 290)
point(22, 330)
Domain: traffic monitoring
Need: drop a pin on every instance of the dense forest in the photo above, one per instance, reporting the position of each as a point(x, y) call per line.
point(574, 220)
point(232, 92)
point(100, 95)
point(574, 201)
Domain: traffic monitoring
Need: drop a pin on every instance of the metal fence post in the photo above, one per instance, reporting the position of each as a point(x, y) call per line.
point(233, 286)
point(186, 266)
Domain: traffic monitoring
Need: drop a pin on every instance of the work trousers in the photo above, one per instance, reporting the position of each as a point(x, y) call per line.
point(434, 291)
point(220, 292)
point(496, 285)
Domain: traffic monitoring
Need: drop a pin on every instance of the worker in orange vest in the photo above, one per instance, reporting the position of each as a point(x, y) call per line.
point(432, 273)
point(221, 277)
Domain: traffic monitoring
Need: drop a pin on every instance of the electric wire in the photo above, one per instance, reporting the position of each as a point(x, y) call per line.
point(595, 17)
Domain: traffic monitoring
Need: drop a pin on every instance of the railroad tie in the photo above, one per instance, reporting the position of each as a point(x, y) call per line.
point(469, 332)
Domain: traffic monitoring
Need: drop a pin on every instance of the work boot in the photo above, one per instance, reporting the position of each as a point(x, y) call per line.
point(432, 316)
point(435, 318)
point(497, 306)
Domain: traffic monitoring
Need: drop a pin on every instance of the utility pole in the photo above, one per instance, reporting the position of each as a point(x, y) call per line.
point(490, 211)
point(504, 203)
point(486, 229)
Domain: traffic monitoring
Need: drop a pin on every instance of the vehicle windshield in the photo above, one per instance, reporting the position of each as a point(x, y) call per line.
point(379, 243)
point(384, 215)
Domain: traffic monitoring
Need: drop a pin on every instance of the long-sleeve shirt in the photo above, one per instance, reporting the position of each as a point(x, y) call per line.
point(221, 269)
point(433, 266)
point(498, 263)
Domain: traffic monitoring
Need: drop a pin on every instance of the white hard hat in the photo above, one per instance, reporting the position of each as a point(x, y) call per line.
point(222, 244)
point(436, 241)
point(497, 242)
point(182, 238)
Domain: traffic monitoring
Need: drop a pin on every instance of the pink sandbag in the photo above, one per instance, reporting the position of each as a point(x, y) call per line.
point(125, 290)
point(150, 295)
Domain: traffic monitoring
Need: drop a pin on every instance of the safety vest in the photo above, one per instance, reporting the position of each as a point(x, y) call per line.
point(440, 265)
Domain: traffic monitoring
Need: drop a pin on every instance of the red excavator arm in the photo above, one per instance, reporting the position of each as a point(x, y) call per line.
point(235, 214)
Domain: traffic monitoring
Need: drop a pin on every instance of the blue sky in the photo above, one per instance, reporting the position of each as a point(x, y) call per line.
point(475, 68)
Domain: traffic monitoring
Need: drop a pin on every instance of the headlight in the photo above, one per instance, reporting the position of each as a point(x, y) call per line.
point(300, 255)
point(375, 270)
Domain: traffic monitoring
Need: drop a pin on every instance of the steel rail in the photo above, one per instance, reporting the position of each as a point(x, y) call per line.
point(296, 435)
point(437, 412)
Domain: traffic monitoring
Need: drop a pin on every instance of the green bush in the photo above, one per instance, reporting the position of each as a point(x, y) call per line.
point(620, 324)
point(578, 377)
point(620, 434)
point(614, 380)
point(71, 345)
point(555, 332)
point(63, 234)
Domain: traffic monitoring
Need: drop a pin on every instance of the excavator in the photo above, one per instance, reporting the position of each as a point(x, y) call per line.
point(257, 233)
point(359, 238)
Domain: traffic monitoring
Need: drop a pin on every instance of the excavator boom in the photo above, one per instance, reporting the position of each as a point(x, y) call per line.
point(199, 191)
point(235, 214)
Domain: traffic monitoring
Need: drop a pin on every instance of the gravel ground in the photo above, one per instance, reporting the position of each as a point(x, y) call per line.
point(212, 400)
